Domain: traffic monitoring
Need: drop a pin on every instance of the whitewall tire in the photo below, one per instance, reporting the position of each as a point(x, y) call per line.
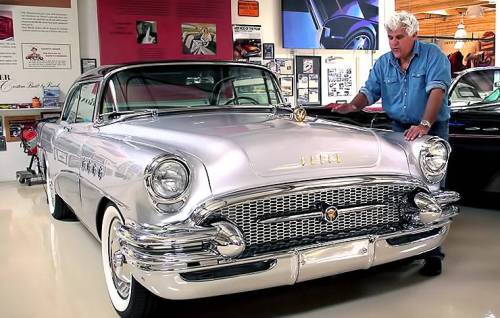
point(129, 298)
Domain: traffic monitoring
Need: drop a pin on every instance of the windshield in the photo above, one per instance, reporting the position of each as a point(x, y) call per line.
point(480, 87)
point(190, 85)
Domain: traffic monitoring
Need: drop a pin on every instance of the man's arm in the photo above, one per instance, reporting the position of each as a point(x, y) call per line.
point(358, 103)
point(430, 114)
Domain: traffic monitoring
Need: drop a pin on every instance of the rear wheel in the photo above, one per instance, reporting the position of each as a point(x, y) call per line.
point(129, 298)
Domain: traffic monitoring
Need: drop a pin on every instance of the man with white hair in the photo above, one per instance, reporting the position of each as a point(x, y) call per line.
point(412, 80)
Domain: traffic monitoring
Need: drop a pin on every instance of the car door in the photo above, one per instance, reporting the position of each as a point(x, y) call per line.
point(76, 124)
point(475, 132)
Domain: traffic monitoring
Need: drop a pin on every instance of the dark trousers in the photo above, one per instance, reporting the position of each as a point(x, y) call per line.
point(440, 129)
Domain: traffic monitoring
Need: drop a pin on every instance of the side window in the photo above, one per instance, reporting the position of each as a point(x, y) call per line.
point(70, 110)
point(87, 101)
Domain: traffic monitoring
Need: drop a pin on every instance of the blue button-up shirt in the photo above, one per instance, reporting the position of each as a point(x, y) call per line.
point(405, 94)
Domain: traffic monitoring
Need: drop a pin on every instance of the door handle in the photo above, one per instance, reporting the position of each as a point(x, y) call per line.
point(490, 129)
point(472, 128)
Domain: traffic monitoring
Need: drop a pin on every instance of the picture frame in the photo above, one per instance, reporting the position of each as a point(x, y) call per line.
point(14, 123)
point(286, 84)
point(308, 78)
point(268, 49)
point(87, 64)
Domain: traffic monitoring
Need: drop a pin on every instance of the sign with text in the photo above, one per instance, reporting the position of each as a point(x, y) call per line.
point(247, 8)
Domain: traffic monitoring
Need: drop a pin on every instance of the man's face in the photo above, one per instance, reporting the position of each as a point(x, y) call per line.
point(401, 43)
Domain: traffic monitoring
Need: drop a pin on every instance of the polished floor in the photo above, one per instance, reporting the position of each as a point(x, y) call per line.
point(52, 269)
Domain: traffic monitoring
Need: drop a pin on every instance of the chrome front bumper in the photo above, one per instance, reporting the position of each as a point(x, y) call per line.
point(159, 260)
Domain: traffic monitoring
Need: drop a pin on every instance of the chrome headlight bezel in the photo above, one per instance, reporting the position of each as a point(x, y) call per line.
point(434, 174)
point(149, 174)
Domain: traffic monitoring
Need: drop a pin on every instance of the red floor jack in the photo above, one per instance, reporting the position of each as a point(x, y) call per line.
point(28, 136)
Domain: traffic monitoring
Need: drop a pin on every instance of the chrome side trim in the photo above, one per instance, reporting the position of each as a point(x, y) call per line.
point(207, 207)
point(475, 136)
point(446, 197)
point(318, 214)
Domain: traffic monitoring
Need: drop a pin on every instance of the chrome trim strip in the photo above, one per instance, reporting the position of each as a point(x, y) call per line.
point(171, 238)
point(207, 207)
point(468, 136)
point(318, 214)
point(446, 197)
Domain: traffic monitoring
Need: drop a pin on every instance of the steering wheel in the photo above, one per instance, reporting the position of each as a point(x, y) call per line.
point(236, 99)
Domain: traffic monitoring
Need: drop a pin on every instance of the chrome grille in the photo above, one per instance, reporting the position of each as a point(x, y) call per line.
point(245, 214)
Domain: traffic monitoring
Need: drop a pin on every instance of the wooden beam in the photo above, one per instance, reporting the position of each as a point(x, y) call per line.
point(415, 6)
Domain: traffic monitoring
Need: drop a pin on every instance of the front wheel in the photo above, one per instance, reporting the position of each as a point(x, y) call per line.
point(129, 298)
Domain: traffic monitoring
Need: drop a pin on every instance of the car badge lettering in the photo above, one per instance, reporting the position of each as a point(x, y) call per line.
point(320, 159)
point(299, 114)
point(330, 214)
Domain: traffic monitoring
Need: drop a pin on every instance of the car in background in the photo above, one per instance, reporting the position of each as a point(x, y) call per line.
point(474, 97)
point(199, 181)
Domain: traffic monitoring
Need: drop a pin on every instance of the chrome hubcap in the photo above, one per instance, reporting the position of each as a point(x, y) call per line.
point(119, 267)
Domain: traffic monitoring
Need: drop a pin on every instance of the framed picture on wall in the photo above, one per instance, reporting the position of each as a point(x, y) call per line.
point(286, 83)
point(308, 77)
point(13, 125)
point(88, 64)
point(268, 49)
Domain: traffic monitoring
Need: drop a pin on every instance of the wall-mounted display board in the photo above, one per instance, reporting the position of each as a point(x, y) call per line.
point(13, 125)
point(39, 47)
point(308, 75)
point(131, 30)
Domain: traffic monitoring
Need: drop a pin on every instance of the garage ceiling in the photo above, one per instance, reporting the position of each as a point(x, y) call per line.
point(449, 15)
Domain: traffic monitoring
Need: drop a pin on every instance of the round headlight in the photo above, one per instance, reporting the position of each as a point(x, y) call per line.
point(434, 159)
point(169, 179)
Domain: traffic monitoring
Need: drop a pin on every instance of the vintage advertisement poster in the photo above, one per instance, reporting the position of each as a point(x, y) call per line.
point(247, 44)
point(39, 48)
point(199, 39)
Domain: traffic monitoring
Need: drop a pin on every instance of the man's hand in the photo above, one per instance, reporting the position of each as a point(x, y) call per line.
point(415, 132)
point(342, 108)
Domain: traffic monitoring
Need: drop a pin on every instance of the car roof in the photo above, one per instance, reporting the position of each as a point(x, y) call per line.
point(101, 71)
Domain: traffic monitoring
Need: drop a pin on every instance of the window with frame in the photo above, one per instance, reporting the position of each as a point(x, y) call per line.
point(69, 114)
point(87, 102)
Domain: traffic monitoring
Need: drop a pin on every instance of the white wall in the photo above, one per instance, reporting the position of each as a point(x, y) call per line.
point(87, 23)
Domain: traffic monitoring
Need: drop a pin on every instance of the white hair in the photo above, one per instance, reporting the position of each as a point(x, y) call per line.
point(402, 19)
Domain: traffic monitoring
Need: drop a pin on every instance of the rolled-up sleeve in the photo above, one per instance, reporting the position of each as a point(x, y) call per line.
point(372, 86)
point(439, 72)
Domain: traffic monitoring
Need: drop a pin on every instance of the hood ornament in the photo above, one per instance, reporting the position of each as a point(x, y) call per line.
point(299, 114)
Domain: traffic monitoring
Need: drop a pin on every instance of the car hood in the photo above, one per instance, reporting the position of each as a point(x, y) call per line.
point(249, 150)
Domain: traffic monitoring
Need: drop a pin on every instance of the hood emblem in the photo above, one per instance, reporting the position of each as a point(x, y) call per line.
point(330, 214)
point(299, 114)
point(321, 159)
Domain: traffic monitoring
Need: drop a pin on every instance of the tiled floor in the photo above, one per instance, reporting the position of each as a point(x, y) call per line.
point(52, 269)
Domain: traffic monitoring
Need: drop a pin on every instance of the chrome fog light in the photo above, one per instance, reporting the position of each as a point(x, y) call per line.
point(229, 241)
point(430, 210)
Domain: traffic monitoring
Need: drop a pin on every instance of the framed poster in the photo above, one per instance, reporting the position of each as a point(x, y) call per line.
point(13, 125)
point(308, 70)
point(88, 64)
point(286, 83)
point(268, 49)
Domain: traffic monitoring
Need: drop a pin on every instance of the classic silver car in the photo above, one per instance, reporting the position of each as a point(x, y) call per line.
point(199, 181)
